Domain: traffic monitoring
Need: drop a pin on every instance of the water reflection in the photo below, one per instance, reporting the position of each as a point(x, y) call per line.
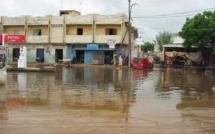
point(193, 85)
point(3, 111)
point(142, 98)
point(97, 89)
point(93, 89)
point(197, 96)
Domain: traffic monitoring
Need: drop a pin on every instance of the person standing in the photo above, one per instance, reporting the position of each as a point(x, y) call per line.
point(120, 60)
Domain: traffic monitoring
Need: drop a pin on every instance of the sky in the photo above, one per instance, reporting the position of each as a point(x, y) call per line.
point(149, 16)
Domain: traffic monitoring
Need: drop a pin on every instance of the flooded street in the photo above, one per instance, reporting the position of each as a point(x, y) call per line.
point(98, 100)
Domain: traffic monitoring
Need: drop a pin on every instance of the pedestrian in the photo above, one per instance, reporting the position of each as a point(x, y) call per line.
point(114, 59)
point(120, 60)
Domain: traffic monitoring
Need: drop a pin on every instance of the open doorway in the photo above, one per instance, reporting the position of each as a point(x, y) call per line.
point(80, 56)
point(16, 53)
point(40, 55)
point(58, 55)
point(108, 57)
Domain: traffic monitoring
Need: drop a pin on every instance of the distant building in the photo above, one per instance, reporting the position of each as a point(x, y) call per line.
point(91, 39)
point(136, 48)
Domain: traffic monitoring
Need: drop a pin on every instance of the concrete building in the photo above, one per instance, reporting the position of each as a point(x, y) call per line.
point(91, 39)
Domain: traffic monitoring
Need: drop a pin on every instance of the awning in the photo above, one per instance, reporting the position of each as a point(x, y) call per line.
point(193, 56)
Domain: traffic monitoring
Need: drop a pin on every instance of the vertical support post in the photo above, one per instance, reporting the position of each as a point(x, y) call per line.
point(93, 27)
point(3, 40)
point(129, 32)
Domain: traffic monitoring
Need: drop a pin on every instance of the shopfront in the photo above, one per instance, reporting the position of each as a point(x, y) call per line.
point(91, 53)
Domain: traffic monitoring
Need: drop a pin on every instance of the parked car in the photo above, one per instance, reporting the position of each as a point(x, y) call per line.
point(140, 63)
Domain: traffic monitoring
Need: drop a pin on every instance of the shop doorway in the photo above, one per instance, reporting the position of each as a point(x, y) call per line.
point(108, 57)
point(58, 55)
point(80, 56)
point(16, 53)
point(40, 55)
point(97, 57)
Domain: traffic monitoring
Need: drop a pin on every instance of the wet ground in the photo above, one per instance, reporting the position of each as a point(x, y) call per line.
point(98, 100)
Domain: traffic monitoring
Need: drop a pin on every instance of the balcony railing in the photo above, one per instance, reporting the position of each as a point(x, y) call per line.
point(37, 39)
point(13, 21)
point(38, 20)
point(78, 39)
point(106, 38)
point(88, 19)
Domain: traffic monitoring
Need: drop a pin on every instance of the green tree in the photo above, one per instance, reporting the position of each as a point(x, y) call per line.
point(199, 30)
point(148, 46)
point(163, 38)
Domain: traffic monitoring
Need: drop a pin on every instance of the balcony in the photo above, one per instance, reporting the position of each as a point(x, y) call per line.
point(57, 20)
point(37, 39)
point(78, 39)
point(110, 19)
point(86, 19)
point(11, 21)
point(38, 20)
point(106, 38)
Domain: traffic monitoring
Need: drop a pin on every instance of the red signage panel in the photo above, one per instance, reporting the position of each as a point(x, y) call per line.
point(14, 38)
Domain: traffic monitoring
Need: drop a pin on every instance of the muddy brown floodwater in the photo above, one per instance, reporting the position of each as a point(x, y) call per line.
point(98, 100)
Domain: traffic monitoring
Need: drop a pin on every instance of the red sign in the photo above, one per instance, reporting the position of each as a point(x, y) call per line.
point(13, 38)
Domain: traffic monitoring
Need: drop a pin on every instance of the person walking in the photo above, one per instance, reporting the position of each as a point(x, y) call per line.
point(114, 59)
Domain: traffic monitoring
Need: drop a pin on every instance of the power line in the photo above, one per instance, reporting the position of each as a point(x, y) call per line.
point(163, 17)
point(179, 14)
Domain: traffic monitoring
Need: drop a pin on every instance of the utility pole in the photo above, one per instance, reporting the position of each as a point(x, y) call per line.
point(129, 32)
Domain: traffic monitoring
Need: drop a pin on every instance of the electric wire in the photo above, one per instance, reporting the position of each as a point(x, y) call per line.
point(179, 14)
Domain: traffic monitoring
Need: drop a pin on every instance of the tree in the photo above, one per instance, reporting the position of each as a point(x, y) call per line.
point(199, 30)
point(148, 46)
point(163, 38)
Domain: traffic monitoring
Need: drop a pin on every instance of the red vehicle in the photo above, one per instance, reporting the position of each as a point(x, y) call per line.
point(140, 63)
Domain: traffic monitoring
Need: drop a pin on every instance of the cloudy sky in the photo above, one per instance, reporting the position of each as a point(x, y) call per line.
point(149, 16)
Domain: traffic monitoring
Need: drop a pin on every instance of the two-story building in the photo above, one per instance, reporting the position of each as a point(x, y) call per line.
point(90, 39)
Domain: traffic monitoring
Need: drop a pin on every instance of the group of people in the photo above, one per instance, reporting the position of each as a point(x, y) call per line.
point(118, 60)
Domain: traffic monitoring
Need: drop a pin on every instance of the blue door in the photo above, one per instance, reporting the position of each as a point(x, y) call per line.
point(40, 55)
point(88, 57)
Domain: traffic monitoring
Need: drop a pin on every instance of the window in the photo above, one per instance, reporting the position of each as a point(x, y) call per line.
point(110, 31)
point(80, 31)
point(37, 32)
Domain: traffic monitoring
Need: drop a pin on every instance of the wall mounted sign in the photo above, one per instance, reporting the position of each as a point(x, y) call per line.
point(92, 47)
point(13, 38)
